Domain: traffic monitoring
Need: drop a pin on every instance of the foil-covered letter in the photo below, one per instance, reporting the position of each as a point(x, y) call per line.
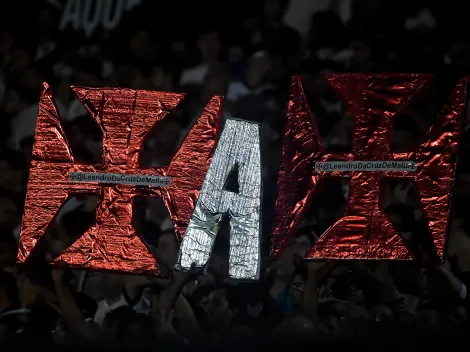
point(238, 149)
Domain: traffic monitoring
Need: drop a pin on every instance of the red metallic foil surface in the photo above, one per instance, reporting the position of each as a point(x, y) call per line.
point(364, 232)
point(125, 117)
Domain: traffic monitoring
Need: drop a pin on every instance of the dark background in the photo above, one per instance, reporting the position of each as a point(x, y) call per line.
point(244, 51)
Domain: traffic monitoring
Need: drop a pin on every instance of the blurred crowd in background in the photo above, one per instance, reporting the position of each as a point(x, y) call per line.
point(246, 54)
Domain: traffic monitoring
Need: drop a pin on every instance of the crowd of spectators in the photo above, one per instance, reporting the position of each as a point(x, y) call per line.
point(250, 64)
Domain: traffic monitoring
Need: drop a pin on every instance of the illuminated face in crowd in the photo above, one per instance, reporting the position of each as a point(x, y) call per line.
point(217, 308)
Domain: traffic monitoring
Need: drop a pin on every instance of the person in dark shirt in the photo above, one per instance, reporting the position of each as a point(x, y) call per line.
point(259, 312)
point(281, 41)
point(11, 317)
point(36, 293)
point(274, 32)
point(27, 309)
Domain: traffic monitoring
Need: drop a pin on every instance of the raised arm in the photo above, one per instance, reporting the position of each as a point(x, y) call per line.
point(71, 314)
point(171, 300)
point(317, 271)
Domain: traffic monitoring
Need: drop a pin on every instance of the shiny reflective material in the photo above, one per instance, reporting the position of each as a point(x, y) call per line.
point(125, 117)
point(239, 146)
point(373, 101)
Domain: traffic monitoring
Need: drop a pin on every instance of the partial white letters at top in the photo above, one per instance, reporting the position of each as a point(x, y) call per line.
point(87, 15)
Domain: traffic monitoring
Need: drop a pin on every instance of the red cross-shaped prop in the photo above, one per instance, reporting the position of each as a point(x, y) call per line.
point(125, 117)
point(364, 231)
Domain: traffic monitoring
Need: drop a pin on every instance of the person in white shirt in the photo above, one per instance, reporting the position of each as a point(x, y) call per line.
point(113, 285)
point(210, 47)
point(123, 291)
